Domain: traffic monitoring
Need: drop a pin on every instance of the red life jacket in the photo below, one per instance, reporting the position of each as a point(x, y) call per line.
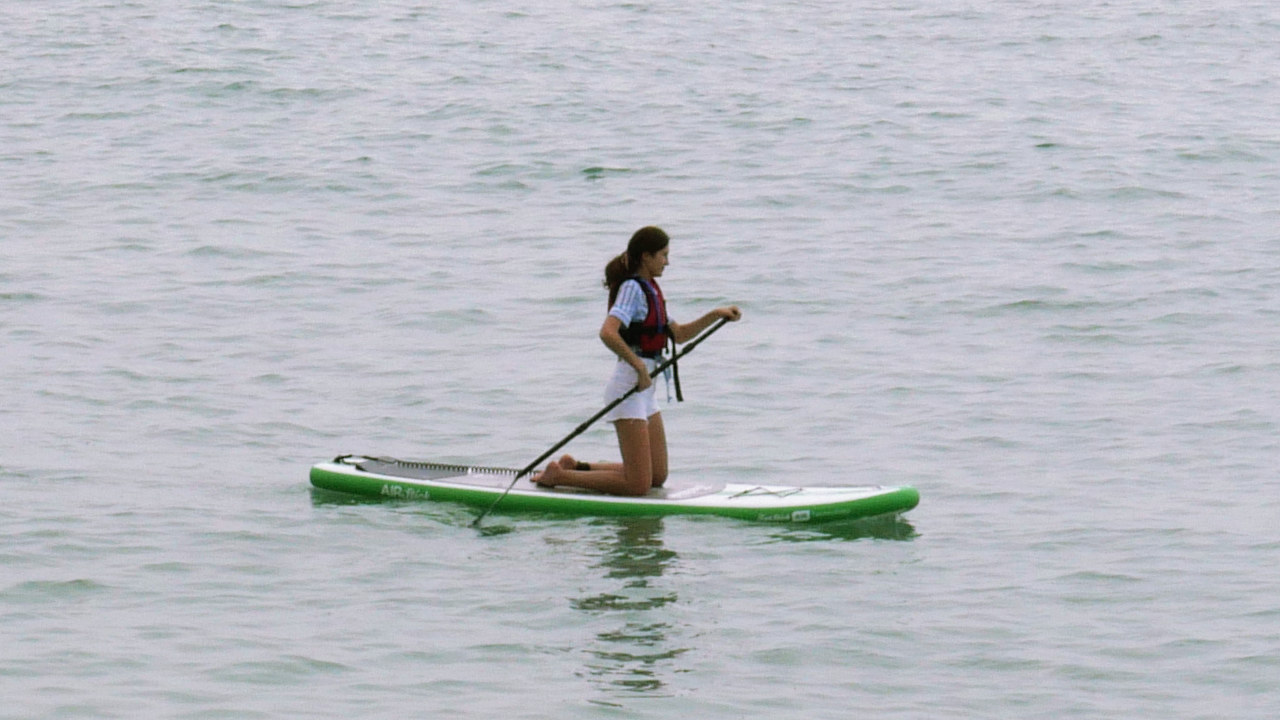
point(649, 336)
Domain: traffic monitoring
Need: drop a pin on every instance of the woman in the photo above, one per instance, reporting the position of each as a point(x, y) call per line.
point(636, 330)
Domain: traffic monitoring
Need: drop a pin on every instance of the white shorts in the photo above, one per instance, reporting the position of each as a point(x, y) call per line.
point(641, 405)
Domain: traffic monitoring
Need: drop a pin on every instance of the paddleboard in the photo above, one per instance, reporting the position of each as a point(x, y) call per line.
point(479, 486)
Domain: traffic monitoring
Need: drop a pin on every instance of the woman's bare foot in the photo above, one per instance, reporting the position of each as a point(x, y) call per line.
point(548, 477)
point(567, 462)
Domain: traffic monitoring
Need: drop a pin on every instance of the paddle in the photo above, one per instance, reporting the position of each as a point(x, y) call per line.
point(688, 348)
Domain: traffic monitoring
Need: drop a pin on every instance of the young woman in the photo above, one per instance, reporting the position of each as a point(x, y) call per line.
point(636, 330)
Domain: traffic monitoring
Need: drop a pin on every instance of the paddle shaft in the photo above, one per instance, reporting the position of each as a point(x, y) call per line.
point(688, 348)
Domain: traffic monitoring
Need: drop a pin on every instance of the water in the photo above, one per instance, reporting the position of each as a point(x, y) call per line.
point(1018, 254)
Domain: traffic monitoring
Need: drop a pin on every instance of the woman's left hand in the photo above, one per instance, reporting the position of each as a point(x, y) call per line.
point(730, 312)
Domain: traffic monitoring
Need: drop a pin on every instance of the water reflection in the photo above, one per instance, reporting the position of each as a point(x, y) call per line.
point(888, 527)
point(637, 653)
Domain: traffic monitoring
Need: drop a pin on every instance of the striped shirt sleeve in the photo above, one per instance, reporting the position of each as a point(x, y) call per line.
point(630, 306)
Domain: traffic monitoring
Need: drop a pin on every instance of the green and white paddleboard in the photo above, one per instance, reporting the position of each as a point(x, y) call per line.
point(481, 486)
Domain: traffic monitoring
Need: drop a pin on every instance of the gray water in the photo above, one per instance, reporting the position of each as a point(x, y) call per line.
point(1021, 255)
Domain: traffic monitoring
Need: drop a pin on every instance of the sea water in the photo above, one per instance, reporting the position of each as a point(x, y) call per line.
point(1019, 254)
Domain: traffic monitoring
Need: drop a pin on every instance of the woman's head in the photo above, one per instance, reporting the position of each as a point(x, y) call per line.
point(646, 240)
point(646, 243)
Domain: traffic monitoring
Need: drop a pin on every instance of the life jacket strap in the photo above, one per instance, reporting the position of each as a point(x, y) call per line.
point(675, 365)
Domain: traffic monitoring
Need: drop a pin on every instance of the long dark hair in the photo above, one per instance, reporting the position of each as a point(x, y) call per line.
point(648, 239)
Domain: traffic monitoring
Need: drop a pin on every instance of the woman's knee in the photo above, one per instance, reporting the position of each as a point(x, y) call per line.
point(638, 479)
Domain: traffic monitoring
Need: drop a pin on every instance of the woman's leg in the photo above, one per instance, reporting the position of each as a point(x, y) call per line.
point(634, 476)
point(657, 454)
point(637, 459)
point(657, 449)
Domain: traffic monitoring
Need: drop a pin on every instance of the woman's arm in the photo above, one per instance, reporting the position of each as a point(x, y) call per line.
point(611, 336)
point(688, 331)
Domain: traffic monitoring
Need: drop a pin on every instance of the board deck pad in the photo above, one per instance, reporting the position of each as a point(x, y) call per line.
point(500, 478)
point(480, 486)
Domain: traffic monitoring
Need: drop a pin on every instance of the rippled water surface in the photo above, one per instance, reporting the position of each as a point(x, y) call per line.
point(1021, 255)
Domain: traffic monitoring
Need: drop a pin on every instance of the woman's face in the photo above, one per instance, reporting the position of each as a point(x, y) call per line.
point(655, 262)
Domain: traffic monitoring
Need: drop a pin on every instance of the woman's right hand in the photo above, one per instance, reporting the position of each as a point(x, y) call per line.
point(643, 381)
